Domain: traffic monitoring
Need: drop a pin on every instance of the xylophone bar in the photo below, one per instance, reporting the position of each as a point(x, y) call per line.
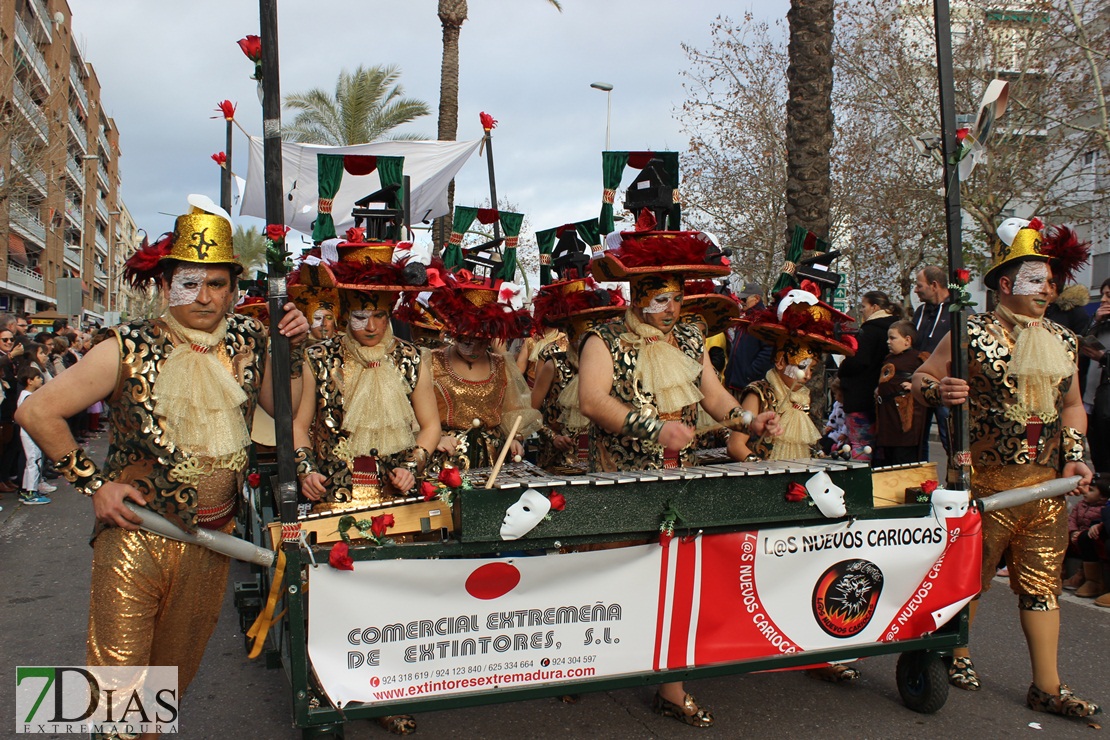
point(411, 515)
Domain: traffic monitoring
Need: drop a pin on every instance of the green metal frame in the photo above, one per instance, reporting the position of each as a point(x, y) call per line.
point(592, 515)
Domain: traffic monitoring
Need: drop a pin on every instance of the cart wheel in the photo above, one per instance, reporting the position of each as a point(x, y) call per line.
point(323, 732)
point(922, 681)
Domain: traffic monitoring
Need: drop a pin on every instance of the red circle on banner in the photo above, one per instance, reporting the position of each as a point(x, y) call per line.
point(492, 580)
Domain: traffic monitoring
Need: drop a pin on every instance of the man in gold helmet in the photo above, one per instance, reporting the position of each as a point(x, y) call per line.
point(1026, 425)
point(182, 388)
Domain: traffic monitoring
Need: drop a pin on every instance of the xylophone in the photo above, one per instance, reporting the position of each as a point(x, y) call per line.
point(629, 503)
point(412, 515)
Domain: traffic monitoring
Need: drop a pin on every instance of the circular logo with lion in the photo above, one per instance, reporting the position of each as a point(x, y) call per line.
point(846, 595)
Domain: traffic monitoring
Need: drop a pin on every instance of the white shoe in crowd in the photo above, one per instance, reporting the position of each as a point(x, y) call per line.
point(45, 487)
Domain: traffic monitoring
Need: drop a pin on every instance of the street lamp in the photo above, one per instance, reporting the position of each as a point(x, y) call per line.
point(606, 88)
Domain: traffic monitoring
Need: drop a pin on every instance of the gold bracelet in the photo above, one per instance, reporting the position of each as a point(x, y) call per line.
point(76, 467)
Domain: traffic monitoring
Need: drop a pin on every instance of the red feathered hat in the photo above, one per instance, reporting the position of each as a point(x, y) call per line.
point(644, 251)
point(575, 304)
point(1065, 252)
point(702, 302)
point(471, 306)
point(801, 323)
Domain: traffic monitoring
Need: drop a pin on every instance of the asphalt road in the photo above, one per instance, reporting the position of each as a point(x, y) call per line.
point(44, 557)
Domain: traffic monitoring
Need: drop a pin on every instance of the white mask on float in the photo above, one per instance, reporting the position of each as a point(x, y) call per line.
point(522, 517)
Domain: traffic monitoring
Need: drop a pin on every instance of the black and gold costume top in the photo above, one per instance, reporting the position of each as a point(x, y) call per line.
point(612, 452)
point(325, 361)
point(551, 457)
point(995, 438)
point(138, 452)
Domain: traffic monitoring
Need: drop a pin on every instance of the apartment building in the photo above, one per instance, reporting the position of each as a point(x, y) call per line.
point(61, 215)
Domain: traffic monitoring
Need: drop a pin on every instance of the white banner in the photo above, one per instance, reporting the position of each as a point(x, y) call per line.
point(430, 165)
point(409, 629)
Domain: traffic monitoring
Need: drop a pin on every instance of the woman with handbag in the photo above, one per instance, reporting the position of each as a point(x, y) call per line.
point(1096, 396)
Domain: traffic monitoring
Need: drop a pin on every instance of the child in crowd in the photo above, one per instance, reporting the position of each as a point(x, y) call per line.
point(899, 422)
point(1085, 533)
point(34, 487)
point(835, 434)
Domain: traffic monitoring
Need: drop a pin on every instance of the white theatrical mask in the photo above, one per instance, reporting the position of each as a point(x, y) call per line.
point(828, 496)
point(522, 517)
point(949, 504)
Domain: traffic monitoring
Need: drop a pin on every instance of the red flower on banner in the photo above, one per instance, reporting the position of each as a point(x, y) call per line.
point(428, 490)
point(928, 486)
point(450, 477)
point(226, 109)
point(963, 276)
point(558, 501)
point(339, 557)
point(276, 232)
point(487, 121)
point(252, 47)
point(796, 492)
point(380, 523)
point(253, 480)
point(220, 158)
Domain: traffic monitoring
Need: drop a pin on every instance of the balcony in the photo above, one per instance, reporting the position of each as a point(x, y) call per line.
point(79, 86)
point(32, 110)
point(104, 145)
point(72, 257)
point(74, 171)
point(73, 211)
point(25, 278)
point(103, 175)
point(101, 243)
point(31, 51)
point(32, 171)
point(27, 223)
point(101, 278)
point(43, 18)
point(78, 128)
point(102, 211)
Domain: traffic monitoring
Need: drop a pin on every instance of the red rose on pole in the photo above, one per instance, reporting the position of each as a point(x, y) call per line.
point(963, 276)
point(276, 232)
point(252, 47)
point(253, 480)
point(380, 523)
point(450, 477)
point(220, 158)
point(339, 557)
point(487, 121)
point(226, 109)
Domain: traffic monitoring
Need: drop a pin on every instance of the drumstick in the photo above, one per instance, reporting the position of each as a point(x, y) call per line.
point(504, 451)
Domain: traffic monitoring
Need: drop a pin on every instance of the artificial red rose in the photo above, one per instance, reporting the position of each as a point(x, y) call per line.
point(276, 232)
point(450, 477)
point(339, 557)
point(665, 536)
point(928, 486)
point(252, 47)
point(227, 109)
point(356, 235)
point(558, 501)
point(487, 121)
point(253, 480)
point(963, 276)
point(961, 134)
point(380, 523)
point(796, 492)
point(220, 158)
point(428, 490)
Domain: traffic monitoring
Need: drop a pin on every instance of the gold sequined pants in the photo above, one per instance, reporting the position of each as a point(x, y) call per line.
point(153, 601)
point(1036, 532)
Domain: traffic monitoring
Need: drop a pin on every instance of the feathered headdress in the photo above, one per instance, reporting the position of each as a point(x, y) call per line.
point(143, 269)
point(1066, 253)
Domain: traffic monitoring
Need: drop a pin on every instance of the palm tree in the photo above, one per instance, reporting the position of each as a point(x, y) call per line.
point(250, 248)
point(368, 104)
point(809, 117)
point(452, 13)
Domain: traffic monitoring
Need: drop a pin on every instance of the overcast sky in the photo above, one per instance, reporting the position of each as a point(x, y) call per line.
point(163, 67)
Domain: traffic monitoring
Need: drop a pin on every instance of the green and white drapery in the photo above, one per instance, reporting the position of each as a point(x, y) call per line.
point(548, 238)
point(612, 169)
point(511, 223)
point(329, 174)
point(803, 244)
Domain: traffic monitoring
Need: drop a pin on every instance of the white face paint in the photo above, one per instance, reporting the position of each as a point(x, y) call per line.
point(662, 302)
point(798, 372)
point(522, 517)
point(318, 318)
point(186, 285)
point(828, 496)
point(359, 320)
point(1031, 278)
point(949, 504)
